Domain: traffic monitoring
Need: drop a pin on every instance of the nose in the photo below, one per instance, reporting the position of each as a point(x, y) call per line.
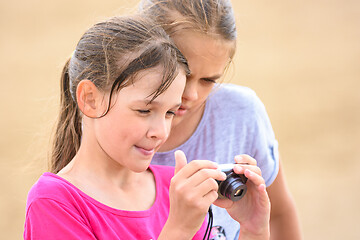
point(191, 90)
point(159, 129)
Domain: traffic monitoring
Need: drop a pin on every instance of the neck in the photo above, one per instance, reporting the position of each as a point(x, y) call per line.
point(92, 163)
point(105, 180)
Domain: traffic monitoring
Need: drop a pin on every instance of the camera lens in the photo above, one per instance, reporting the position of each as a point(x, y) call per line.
point(238, 192)
point(233, 187)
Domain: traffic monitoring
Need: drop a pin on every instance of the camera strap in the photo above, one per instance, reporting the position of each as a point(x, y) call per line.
point(209, 226)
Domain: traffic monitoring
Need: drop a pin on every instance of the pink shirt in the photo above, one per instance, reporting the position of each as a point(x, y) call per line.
point(56, 209)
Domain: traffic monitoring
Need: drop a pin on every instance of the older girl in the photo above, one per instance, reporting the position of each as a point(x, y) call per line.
point(218, 122)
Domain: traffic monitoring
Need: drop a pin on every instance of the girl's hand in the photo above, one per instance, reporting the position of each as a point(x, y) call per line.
point(192, 190)
point(253, 210)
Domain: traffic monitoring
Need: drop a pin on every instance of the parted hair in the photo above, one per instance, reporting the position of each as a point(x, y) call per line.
point(110, 54)
point(211, 17)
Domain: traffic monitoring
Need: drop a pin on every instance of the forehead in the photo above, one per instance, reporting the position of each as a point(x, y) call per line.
point(208, 54)
point(146, 82)
point(196, 41)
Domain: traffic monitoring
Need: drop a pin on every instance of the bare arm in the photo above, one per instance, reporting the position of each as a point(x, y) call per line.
point(284, 221)
point(192, 190)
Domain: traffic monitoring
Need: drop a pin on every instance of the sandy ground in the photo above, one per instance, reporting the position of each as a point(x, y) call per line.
point(301, 57)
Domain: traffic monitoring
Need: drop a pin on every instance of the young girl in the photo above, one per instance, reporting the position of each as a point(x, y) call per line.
point(119, 93)
point(218, 122)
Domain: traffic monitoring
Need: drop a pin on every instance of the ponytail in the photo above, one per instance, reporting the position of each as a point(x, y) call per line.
point(68, 128)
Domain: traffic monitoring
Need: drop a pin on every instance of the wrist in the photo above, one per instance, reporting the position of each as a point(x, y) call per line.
point(171, 231)
point(264, 234)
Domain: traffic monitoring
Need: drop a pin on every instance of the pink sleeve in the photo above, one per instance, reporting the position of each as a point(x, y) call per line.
point(48, 219)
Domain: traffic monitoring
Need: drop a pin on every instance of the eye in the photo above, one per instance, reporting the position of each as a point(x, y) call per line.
point(143, 111)
point(170, 113)
point(209, 80)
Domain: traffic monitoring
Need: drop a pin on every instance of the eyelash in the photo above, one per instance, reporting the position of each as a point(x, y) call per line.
point(148, 111)
point(171, 113)
point(209, 80)
point(143, 111)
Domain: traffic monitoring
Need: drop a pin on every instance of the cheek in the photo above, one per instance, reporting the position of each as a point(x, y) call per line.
point(168, 126)
point(204, 91)
point(117, 130)
point(128, 129)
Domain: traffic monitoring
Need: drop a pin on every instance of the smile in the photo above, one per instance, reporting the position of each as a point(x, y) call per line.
point(144, 151)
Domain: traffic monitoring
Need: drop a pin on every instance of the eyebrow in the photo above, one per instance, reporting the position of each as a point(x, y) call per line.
point(215, 77)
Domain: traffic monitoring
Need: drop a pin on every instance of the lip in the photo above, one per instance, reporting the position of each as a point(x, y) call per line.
point(145, 151)
point(181, 111)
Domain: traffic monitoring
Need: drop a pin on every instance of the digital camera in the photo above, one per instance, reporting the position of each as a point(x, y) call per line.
point(234, 186)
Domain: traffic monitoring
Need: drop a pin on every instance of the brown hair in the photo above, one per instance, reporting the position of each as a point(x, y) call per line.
point(110, 54)
point(212, 17)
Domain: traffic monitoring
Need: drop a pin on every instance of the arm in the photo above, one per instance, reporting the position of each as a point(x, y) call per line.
point(284, 221)
point(192, 190)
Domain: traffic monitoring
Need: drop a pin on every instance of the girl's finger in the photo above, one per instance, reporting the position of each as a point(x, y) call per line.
point(263, 196)
point(254, 178)
point(206, 187)
point(245, 159)
point(240, 169)
point(180, 160)
point(210, 197)
point(205, 174)
point(195, 166)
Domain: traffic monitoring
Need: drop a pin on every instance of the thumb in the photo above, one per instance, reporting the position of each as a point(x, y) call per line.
point(180, 160)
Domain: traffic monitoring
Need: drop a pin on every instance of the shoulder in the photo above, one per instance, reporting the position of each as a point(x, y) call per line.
point(54, 211)
point(230, 100)
point(229, 95)
point(52, 197)
point(51, 187)
point(227, 91)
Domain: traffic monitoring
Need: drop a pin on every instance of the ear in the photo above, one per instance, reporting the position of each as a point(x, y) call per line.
point(89, 99)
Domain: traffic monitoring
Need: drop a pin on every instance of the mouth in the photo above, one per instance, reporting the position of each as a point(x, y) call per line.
point(145, 151)
point(181, 111)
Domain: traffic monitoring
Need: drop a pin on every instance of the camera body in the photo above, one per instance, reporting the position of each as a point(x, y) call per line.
point(234, 186)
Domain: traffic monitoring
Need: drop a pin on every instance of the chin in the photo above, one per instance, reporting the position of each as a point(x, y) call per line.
point(140, 169)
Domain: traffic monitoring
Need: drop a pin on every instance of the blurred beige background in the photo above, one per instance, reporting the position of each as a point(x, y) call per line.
point(301, 57)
